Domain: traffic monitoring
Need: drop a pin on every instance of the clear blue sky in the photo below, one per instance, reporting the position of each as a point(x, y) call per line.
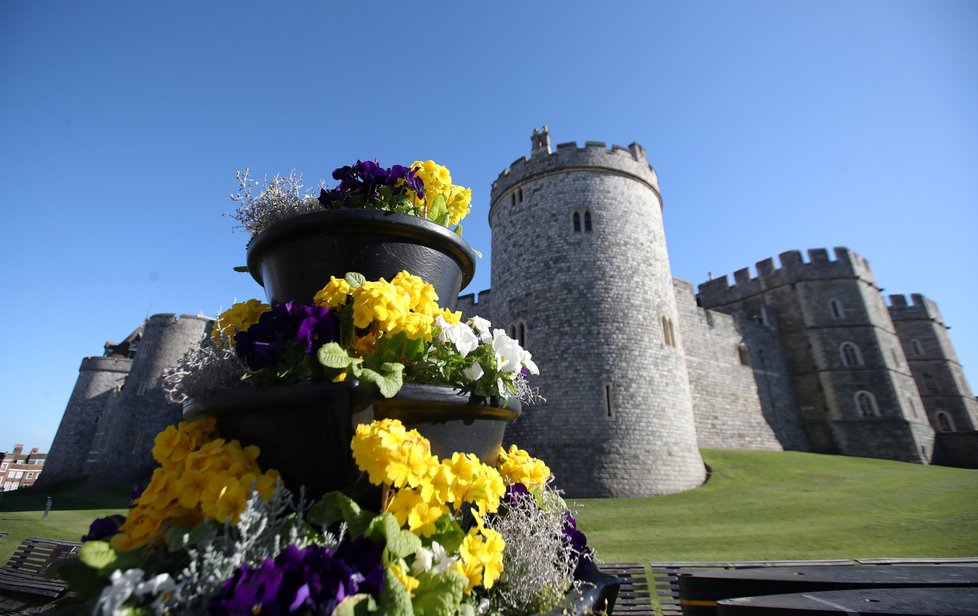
point(772, 125)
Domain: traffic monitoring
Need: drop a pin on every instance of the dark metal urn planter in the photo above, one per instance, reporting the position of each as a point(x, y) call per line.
point(304, 430)
point(597, 595)
point(294, 258)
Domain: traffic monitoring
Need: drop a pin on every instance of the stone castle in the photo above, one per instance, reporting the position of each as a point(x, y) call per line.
point(638, 369)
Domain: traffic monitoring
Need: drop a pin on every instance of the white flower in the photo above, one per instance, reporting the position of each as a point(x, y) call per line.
point(422, 560)
point(474, 372)
point(160, 584)
point(509, 353)
point(458, 334)
point(483, 328)
point(528, 362)
point(113, 598)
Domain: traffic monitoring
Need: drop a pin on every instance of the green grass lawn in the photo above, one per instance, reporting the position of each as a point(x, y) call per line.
point(72, 509)
point(772, 505)
point(756, 505)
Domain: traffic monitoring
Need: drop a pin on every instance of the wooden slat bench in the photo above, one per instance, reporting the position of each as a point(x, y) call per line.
point(24, 572)
point(633, 595)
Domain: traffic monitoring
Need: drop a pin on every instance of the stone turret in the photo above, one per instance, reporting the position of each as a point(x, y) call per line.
point(100, 380)
point(121, 449)
point(950, 404)
point(848, 369)
point(581, 277)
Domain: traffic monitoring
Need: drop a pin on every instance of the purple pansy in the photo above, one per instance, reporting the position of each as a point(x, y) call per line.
point(103, 528)
point(313, 580)
point(576, 541)
point(361, 183)
point(282, 331)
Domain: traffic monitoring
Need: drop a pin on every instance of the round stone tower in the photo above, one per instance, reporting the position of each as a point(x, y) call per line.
point(99, 381)
point(122, 449)
point(580, 275)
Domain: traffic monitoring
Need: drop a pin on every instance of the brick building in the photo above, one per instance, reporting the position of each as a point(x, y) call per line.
point(19, 469)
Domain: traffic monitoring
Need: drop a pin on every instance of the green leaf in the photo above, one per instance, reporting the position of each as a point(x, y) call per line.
point(241, 268)
point(388, 379)
point(466, 609)
point(337, 507)
point(97, 555)
point(332, 355)
point(394, 598)
point(356, 605)
point(439, 594)
point(385, 529)
point(414, 350)
point(438, 210)
point(448, 533)
point(83, 580)
point(354, 279)
point(458, 230)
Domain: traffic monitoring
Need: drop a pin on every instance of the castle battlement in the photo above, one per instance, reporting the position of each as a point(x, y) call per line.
point(595, 155)
point(919, 308)
point(106, 364)
point(793, 268)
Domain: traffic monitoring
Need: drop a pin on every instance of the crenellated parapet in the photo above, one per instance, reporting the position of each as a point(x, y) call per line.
point(793, 268)
point(919, 308)
point(594, 156)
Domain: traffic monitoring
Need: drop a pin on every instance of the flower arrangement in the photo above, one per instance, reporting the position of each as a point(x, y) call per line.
point(452, 536)
point(423, 189)
point(383, 333)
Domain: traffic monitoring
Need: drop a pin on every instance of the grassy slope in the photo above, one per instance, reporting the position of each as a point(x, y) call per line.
point(767, 505)
point(757, 505)
point(72, 510)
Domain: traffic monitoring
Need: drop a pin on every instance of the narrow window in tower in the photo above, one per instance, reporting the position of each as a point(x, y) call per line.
point(609, 407)
point(866, 404)
point(944, 423)
point(512, 199)
point(587, 221)
point(519, 195)
point(930, 383)
point(577, 222)
point(836, 309)
point(668, 333)
point(918, 348)
point(744, 354)
point(850, 355)
point(521, 333)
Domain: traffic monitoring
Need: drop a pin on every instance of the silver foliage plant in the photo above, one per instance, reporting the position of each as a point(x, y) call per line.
point(202, 371)
point(280, 198)
point(263, 530)
point(537, 567)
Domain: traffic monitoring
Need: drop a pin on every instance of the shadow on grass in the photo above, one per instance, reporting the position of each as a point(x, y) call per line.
point(66, 496)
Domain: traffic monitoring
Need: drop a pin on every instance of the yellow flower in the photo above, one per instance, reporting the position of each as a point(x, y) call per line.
point(414, 512)
point(422, 296)
point(438, 181)
point(482, 555)
point(171, 446)
point(517, 466)
point(410, 583)
point(334, 295)
point(452, 318)
point(237, 318)
point(379, 303)
point(190, 486)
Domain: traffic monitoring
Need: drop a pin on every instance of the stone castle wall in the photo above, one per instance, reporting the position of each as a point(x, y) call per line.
point(740, 396)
